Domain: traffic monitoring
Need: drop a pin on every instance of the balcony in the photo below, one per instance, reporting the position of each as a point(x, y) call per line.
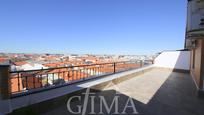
point(165, 87)
point(195, 19)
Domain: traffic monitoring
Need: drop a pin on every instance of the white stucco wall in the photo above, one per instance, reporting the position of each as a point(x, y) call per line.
point(174, 60)
point(32, 66)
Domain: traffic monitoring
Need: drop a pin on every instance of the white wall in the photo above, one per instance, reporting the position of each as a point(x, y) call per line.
point(33, 66)
point(174, 60)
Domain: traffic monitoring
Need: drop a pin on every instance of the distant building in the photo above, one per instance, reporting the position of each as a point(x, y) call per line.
point(28, 66)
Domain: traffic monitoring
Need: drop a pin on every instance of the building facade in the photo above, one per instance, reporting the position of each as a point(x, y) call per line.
point(195, 40)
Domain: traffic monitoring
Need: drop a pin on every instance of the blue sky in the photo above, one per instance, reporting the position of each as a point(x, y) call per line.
point(92, 26)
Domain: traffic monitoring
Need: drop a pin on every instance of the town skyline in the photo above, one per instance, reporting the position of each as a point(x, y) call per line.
point(61, 53)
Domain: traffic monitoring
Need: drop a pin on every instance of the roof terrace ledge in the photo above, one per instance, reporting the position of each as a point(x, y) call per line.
point(23, 101)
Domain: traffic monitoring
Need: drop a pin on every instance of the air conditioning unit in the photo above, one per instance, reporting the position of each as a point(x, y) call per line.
point(191, 43)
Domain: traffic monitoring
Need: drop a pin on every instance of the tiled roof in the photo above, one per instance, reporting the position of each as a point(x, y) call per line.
point(20, 63)
point(56, 64)
point(2, 60)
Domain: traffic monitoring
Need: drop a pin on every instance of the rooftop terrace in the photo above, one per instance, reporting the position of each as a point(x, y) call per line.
point(164, 88)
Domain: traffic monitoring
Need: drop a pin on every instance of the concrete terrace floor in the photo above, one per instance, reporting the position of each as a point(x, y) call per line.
point(157, 92)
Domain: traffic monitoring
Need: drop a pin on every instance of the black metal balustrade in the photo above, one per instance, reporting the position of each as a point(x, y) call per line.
point(32, 81)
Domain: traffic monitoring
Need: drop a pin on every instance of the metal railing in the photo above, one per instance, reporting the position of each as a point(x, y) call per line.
point(32, 81)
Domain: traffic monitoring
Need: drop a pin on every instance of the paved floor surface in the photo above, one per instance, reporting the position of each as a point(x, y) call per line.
point(158, 92)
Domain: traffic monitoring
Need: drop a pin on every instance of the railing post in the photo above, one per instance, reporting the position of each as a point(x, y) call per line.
point(114, 65)
point(5, 85)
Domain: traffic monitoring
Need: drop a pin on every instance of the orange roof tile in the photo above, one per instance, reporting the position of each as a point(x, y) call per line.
point(20, 63)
